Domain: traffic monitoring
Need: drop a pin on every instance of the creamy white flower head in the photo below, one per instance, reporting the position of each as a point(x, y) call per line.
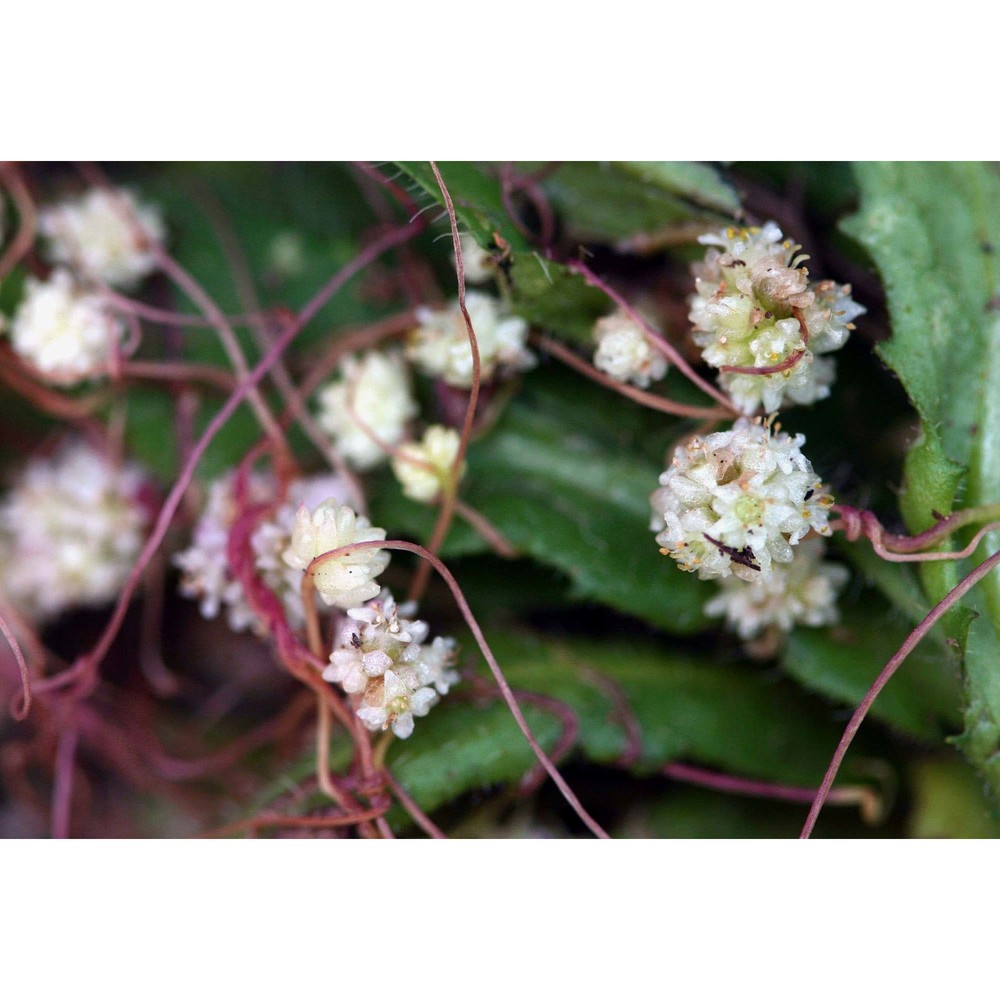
point(755, 308)
point(94, 235)
point(737, 501)
point(394, 699)
point(72, 527)
point(346, 580)
point(206, 575)
point(802, 592)
point(478, 263)
point(64, 333)
point(625, 353)
point(206, 572)
point(440, 345)
point(370, 403)
point(425, 468)
point(381, 637)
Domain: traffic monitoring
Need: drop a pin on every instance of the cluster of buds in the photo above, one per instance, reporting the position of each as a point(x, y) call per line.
point(63, 330)
point(761, 321)
point(206, 569)
point(385, 658)
point(71, 528)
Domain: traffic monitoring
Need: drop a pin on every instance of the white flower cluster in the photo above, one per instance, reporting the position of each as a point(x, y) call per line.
point(94, 235)
point(440, 344)
point(736, 502)
point(750, 286)
point(370, 403)
point(625, 353)
point(385, 658)
point(206, 571)
point(424, 469)
point(477, 263)
point(65, 333)
point(345, 580)
point(802, 592)
point(71, 528)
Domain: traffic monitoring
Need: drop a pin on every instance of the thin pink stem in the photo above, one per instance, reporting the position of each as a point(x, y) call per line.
point(939, 609)
point(88, 664)
point(416, 813)
point(663, 344)
point(856, 523)
point(650, 399)
point(21, 243)
point(790, 362)
point(62, 789)
point(22, 712)
point(477, 632)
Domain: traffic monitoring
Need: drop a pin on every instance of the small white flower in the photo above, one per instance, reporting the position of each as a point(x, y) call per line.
point(440, 345)
point(381, 636)
point(370, 403)
point(478, 263)
point(64, 333)
point(206, 572)
point(394, 699)
point(94, 235)
point(737, 501)
point(345, 580)
point(744, 316)
point(71, 528)
point(424, 469)
point(625, 353)
point(802, 592)
point(286, 255)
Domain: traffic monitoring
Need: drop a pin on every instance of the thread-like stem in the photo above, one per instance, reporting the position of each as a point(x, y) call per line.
point(939, 609)
point(477, 632)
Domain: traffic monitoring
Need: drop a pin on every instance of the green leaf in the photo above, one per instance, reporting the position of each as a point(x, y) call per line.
point(948, 801)
point(933, 229)
point(565, 476)
point(922, 699)
point(729, 718)
point(607, 202)
point(697, 183)
point(544, 292)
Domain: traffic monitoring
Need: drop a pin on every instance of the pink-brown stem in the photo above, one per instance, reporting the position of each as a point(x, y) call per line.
point(734, 785)
point(86, 666)
point(20, 713)
point(470, 619)
point(62, 788)
point(660, 342)
point(782, 366)
point(415, 812)
point(653, 401)
point(21, 244)
point(447, 509)
point(939, 609)
point(856, 522)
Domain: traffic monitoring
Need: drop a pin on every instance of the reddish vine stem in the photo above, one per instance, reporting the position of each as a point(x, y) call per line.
point(20, 713)
point(649, 399)
point(62, 788)
point(790, 362)
point(939, 609)
point(21, 243)
point(662, 343)
point(477, 632)
point(86, 666)
point(729, 783)
point(449, 496)
point(184, 280)
point(180, 371)
point(856, 523)
point(302, 822)
point(415, 812)
point(166, 317)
